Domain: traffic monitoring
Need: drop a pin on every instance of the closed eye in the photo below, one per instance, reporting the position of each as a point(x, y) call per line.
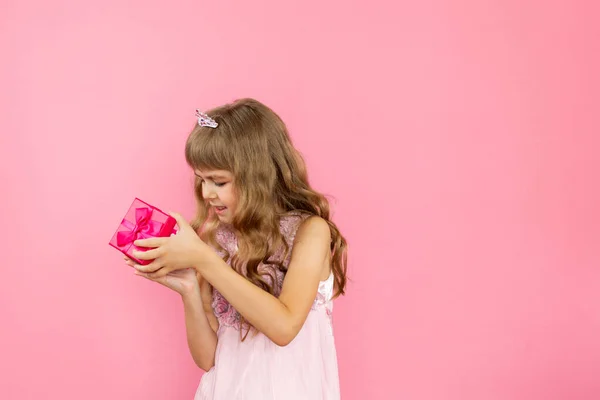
point(217, 184)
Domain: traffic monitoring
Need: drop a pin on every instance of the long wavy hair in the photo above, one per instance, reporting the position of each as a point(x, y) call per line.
point(270, 180)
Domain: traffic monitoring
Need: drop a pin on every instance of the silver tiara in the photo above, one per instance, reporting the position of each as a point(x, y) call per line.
point(205, 120)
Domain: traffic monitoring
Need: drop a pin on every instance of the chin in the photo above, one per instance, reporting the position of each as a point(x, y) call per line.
point(224, 219)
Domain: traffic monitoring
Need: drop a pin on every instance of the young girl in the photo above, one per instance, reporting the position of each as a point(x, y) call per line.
point(259, 266)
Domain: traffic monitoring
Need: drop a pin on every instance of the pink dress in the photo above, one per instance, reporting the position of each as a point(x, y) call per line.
point(257, 368)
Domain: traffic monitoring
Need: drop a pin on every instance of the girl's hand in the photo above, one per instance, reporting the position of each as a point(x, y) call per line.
point(182, 250)
point(182, 281)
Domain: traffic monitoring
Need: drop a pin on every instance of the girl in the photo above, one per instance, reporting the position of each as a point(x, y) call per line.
point(258, 267)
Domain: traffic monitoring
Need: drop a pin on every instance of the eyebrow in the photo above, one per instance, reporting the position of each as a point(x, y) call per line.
point(212, 176)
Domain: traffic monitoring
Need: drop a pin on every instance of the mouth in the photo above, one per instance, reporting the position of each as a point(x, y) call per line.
point(220, 209)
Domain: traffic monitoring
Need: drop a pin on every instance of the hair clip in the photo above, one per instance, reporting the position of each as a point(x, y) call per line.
point(205, 120)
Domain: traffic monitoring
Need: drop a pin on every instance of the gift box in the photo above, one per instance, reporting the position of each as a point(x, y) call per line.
point(142, 221)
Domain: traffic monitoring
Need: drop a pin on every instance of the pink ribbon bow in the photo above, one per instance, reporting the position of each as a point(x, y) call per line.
point(144, 227)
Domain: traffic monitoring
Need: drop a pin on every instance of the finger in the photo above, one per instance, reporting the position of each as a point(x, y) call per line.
point(147, 276)
point(152, 267)
point(158, 274)
point(181, 222)
point(148, 255)
point(151, 242)
point(130, 261)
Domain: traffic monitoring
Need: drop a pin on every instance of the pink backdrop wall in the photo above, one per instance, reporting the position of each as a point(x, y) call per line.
point(459, 139)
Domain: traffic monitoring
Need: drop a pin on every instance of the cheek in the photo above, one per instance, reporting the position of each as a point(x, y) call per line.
point(231, 198)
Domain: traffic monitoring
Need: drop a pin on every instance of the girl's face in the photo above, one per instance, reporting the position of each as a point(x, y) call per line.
point(218, 190)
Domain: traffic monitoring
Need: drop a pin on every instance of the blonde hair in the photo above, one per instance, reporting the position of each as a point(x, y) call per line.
point(270, 178)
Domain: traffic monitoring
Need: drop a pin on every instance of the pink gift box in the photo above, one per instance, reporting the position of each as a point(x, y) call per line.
point(142, 221)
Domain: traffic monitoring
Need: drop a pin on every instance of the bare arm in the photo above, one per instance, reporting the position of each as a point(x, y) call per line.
point(201, 325)
point(280, 319)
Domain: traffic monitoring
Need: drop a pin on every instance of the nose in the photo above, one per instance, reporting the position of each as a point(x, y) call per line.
point(208, 191)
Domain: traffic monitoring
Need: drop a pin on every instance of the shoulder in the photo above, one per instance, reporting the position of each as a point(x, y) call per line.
point(297, 227)
point(311, 245)
point(312, 239)
point(313, 228)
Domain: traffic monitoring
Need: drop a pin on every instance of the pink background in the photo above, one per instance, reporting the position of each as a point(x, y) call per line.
point(459, 138)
